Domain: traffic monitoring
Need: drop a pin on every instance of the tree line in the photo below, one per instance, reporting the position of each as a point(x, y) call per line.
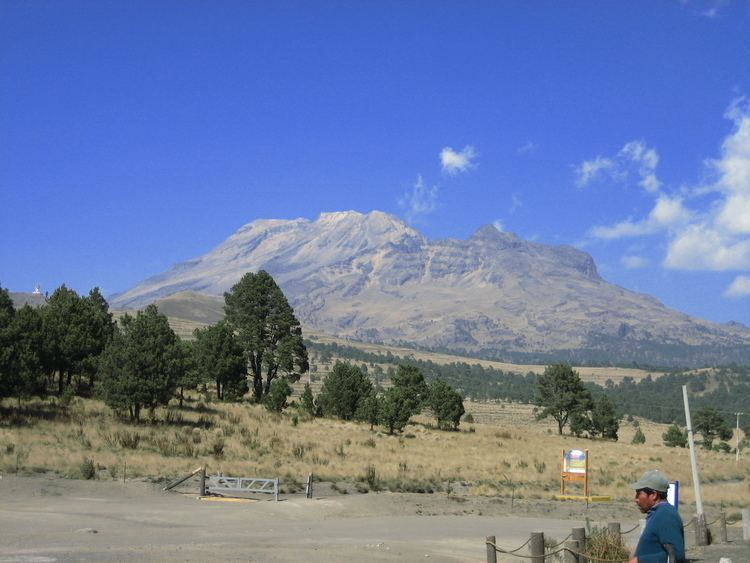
point(588, 409)
point(71, 345)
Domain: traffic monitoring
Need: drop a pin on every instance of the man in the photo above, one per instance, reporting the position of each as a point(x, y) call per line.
point(663, 540)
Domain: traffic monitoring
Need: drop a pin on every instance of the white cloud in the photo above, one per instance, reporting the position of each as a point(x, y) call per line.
point(702, 247)
point(634, 262)
point(589, 170)
point(718, 239)
point(623, 229)
point(498, 224)
point(419, 200)
point(740, 287)
point(668, 213)
point(714, 237)
point(634, 158)
point(454, 162)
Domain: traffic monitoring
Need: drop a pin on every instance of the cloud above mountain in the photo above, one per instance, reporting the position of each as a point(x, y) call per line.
point(707, 226)
point(419, 200)
point(454, 162)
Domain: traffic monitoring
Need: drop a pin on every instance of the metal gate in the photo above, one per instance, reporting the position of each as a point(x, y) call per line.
point(219, 484)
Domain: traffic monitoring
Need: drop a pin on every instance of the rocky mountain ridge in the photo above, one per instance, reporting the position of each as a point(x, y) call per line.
point(371, 277)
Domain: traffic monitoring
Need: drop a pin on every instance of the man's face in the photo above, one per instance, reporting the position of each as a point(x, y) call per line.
point(645, 499)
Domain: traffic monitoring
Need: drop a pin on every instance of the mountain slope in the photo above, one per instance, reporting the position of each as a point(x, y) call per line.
point(373, 278)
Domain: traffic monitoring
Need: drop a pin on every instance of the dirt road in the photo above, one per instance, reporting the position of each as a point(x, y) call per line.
point(56, 520)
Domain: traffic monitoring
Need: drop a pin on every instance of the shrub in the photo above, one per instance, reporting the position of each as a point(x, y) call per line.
point(275, 400)
point(370, 443)
point(126, 439)
point(298, 451)
point(88, 468)
point(639, 437)
point(675, 437)
point(603, 546)
point(217, 447)
point(372, 478)
point(469, 418)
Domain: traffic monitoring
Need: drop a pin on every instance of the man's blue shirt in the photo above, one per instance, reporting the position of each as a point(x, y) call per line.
point(663, 525)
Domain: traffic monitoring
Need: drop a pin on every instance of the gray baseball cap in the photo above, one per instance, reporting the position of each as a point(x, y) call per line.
point(654, 480)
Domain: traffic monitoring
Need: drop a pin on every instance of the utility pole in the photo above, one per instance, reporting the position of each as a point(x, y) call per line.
point(737, 438)
point(693, 460)
point(701, 532)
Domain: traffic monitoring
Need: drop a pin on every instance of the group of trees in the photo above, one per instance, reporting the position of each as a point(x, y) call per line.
point(562, 395)
point(54, 348)
point(348, 393)
point(71, 345)
point(146, 362)
point(707, 422)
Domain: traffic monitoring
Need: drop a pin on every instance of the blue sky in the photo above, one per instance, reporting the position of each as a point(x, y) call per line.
point(134, 135)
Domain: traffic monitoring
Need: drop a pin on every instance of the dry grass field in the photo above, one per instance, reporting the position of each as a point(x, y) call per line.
point(505, 452)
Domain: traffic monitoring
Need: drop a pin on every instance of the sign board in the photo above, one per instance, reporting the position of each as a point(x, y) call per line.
point(673, 494)
point(574, 461)
point(574, 467)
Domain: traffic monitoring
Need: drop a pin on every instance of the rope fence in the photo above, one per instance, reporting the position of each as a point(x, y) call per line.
point(633, 529)
point(574, 549)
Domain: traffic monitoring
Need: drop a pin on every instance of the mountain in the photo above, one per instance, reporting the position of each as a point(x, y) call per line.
point(21, 298)
point(371, 277)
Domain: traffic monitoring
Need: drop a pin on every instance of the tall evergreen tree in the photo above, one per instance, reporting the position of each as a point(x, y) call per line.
point(410, 379)
point(711, 425)
point(446, 404)
point(343, 389)
point(142, 364)
point(96, 332)
point(269, 333)
point(220, 358)
point(28, 343)
point(396, 408)
point(9, 368)
point(604, 420)
point(560, 393)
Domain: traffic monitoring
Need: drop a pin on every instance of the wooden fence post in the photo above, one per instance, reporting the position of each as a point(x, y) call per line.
point(203, 481)
point(309, 489)
point(491, 553)
point(723, 527)
point(613, 528)
point(572, 549)
point(746, 524)
point(536, 547)
point(579, 535)
point(701, 532)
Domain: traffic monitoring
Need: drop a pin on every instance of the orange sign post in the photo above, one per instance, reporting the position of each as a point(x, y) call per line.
point(575, 467)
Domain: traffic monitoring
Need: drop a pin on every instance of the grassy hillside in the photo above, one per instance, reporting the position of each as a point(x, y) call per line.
point(504, 452)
